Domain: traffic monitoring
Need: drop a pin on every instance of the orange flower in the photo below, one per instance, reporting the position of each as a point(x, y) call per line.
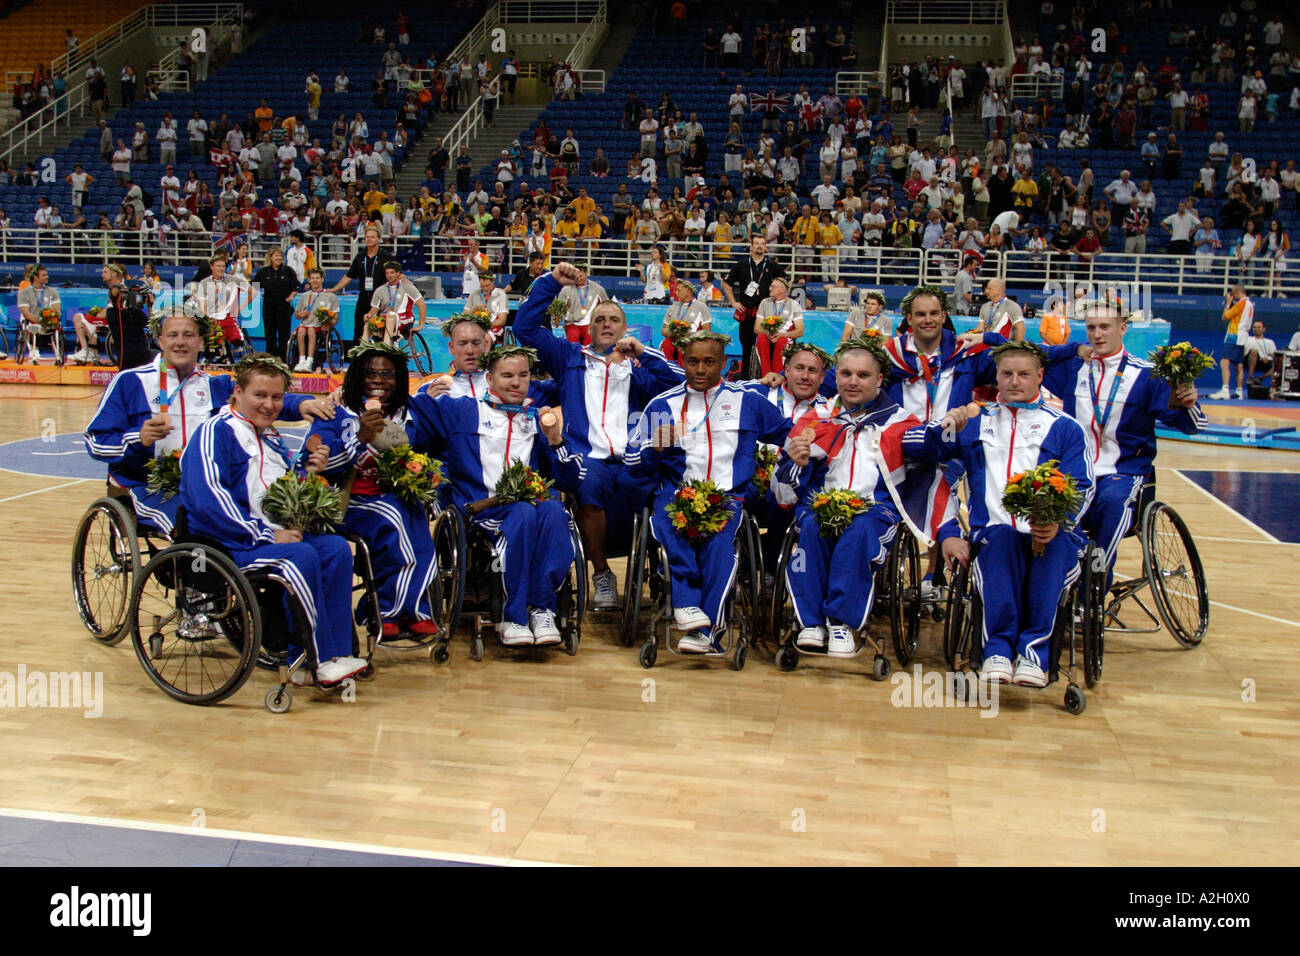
point(1016, 478)
point(1057, 482)
point(1175, 353)
point(414, 467)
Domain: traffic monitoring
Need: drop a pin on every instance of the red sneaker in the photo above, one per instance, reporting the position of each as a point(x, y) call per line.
point(425, 628)
point(390, 630)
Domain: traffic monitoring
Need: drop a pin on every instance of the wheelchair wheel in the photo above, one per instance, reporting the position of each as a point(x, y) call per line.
point(634, 577)
point(1175, 575)
point(961, 619)
point(742, 604)
point(1092, 608)
point(781, 619)
point(196, 627)
point(904, 577)
point(573, 595)
point(755, 369)
point(329, 350)
point(449, 583)
point(105, 559)
point(421, 358)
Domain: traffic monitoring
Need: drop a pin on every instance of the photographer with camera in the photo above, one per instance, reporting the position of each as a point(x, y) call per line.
point(127, 316)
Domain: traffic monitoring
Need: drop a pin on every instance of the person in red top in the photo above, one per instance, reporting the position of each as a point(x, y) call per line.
point(269, 217)
point(1087, 247)
point(852, 107)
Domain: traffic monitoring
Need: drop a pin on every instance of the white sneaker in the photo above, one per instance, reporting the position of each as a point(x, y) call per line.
point(339, 669)
point(813, 638)
point(1220, 395)
point(35, 356)
point(929, 593)
point(696, 642)
point(690, 619)
point(543, 626)
point(996, 670)
point(841, 643)
point(1238, 395)
point(514, 635)
point(604, 591)
point(1029, 674)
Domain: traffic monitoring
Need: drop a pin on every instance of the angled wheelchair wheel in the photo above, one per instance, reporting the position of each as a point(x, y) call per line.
point(572, 602)
point(329, 351)
point(961, 618)
point(452, 552)
point(1092, 611)
point(195, 626)
point(904, 577)
point(105, 560)
point(781, 619)
point(421, 358)
point(634, 577)
point(1174, 573)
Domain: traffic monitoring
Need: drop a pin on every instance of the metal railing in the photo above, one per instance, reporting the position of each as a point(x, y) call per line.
point(860, 82)
point(479, 35)
point(552, 11)
point(171, 80)
point(856, 264)
point(945, 11)
point(1030, 85)
point(46, 121)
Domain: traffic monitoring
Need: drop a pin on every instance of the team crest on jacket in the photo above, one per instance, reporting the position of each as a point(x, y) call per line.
point(201, 398)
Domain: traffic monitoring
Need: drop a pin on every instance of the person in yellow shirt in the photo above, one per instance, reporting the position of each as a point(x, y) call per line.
point(583, 206)
point(374, 198)
point(804, 235)
point(264, 114)
point(1238, 316)
point(720, 232)
point(517, 233)
point(568, 229)
point(592, 231)
point(1025, 192)
point(828, 240)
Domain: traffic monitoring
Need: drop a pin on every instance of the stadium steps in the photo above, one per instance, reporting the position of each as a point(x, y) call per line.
point(622, 29)
point(509, 124)
point(411, 175)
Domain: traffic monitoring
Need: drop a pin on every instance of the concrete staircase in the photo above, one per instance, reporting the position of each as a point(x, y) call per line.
point(408, 178)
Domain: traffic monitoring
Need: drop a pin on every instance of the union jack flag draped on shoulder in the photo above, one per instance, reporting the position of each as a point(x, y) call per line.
point(230, 242)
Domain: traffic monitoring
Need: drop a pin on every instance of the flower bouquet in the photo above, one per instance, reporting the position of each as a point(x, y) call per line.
point(214, 337)
point(309, 504)
point(699, 510)
point(765, 457)
point(413, 477)
point(519, 482)
point(678, 329)
point(326, 317)
point(835, 509)
point(164, 474)
point(557, 310)
point(377, 324)
point(1041, 495)
point(50, 320)
point(96, 314)
point(771, 325)
point(1180, 364)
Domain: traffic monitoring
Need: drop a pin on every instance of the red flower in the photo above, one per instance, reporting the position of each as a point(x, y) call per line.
point(714, 499)
point(692, 532)
point(1037, 485)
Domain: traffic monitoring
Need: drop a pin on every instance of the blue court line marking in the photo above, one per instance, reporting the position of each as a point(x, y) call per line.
point(1263, 499)
point(46, 838)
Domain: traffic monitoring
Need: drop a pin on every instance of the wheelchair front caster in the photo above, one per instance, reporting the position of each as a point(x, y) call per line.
point(649, 654)
point(368, 673)
point(439, 653)
point(476, 647)
point(279, 700)
point(787, 658)
point(571, 643)
point(880, 667)
point(738, 660)
point(1075, 700)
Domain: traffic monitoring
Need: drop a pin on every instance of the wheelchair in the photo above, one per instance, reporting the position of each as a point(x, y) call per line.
point(898, 597)
point(1080, 630)
point(647, 570)
point(200, 625)
point(467, 578)
point(1171, 569)
point(229, 353)
point(106, 557)
point(329, 350)
point(24, 339)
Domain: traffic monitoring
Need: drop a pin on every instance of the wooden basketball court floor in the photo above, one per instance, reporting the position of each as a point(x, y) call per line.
point(1181, 757)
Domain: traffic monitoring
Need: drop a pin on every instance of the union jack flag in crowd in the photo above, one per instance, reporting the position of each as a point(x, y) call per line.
point(779, 102)
point(230, 242)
